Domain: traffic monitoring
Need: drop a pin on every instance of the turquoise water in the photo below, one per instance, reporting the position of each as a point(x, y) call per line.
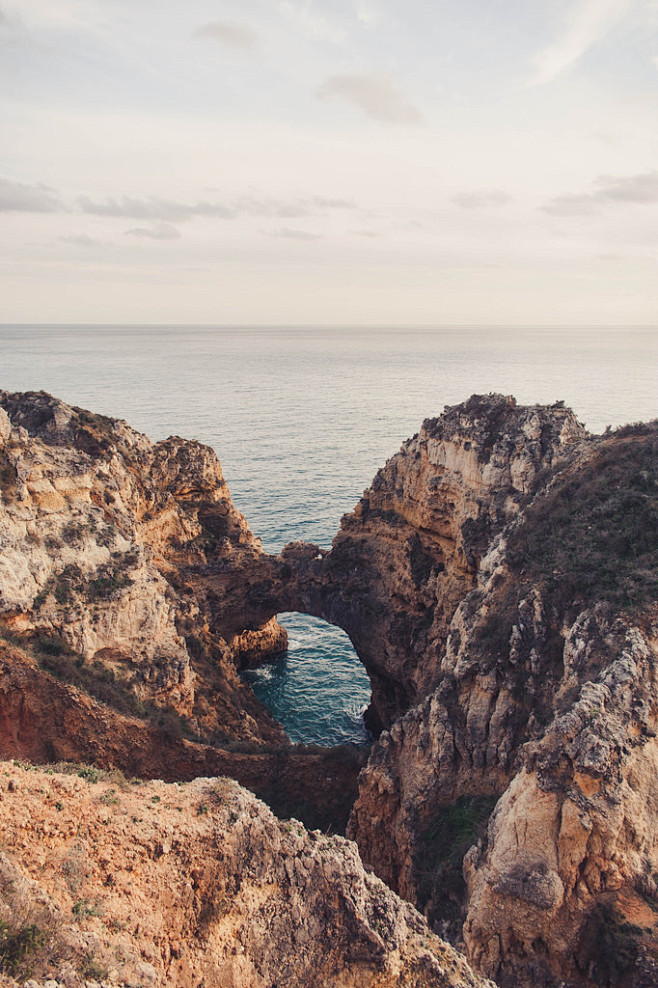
point(302, 418)
point(320, 659)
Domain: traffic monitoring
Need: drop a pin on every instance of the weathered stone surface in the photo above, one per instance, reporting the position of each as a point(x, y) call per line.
point(543, 703)
point(106, 539)
point(512, 652)
point(407, 556)
point(159, 884)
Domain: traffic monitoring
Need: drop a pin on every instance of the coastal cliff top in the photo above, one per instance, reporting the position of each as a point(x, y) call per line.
point(125, 882)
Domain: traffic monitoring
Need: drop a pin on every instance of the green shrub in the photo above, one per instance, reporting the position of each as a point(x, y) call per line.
point(17, 945)
point(83, 909)
point(96, 679)
point(51, 646)
point(441, 849)
point(610, 946)
point(594, 535)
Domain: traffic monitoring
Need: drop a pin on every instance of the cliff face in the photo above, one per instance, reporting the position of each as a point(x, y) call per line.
point(45, 720)
point(157, 884)
point(107, 539)
point(536, 747)
point(409, 553)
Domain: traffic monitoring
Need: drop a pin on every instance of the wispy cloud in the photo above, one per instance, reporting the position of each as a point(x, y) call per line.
point(638, 189)
point(480, 200)
point(588, 21)
point(375, 95)
point(159, 231)
point(228, 33)
point(168, 210)
point(153, 208)
point(16, 197)
point(291, 234)
point(158, 211)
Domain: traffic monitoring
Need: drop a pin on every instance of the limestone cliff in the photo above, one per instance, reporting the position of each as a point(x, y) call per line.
point(498, 580)
point(410, 552)
point(534, 743)
point(128, 883)
point(106, 541)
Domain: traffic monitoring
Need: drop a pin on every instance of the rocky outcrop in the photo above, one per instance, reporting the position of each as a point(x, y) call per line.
point(530, 764)
point(106, 541)
point(155, 884)
point(410, 552)
point(575, 831)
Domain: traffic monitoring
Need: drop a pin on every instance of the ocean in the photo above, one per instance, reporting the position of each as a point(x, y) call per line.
point(301, 418)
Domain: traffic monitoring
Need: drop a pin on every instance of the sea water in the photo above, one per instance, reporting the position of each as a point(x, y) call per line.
point(302, 418)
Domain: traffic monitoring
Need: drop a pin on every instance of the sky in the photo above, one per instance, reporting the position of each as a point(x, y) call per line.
point(344, 162)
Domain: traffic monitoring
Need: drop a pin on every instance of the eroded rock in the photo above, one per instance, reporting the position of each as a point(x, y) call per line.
point(177, 885)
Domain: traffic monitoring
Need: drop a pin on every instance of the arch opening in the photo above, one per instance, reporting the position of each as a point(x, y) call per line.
point(318, 689)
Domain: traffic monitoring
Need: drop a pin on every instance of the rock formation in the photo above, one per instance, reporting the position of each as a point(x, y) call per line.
point(129, 587)
point(498, 580)
point(102, 879)
point(106, 539)
point(408, 555)
point(539, 697)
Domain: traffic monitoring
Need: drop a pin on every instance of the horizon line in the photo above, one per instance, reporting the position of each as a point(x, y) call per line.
point(325, 326)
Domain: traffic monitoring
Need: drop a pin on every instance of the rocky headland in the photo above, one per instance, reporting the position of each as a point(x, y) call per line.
point(499, 582)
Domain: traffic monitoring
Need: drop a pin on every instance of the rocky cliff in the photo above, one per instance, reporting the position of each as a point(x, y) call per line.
point(410, 552)
point(106, 542)
point(127, 883)
point(498, 580)
point(519, 795)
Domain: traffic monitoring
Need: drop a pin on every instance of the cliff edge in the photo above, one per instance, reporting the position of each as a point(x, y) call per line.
point(107, 542)
point(123, 882)
point(515, 798)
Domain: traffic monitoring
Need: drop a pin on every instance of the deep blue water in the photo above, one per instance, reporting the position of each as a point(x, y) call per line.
point(302, 418)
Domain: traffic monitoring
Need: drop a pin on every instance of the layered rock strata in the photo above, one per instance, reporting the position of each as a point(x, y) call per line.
point(153, 884)
point(106, 539)
point(530, 761)
point(410, 552)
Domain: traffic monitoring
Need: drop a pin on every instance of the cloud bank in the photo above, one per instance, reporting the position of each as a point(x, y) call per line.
point(639, 189)
point(153, 208)
point(170, 211)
